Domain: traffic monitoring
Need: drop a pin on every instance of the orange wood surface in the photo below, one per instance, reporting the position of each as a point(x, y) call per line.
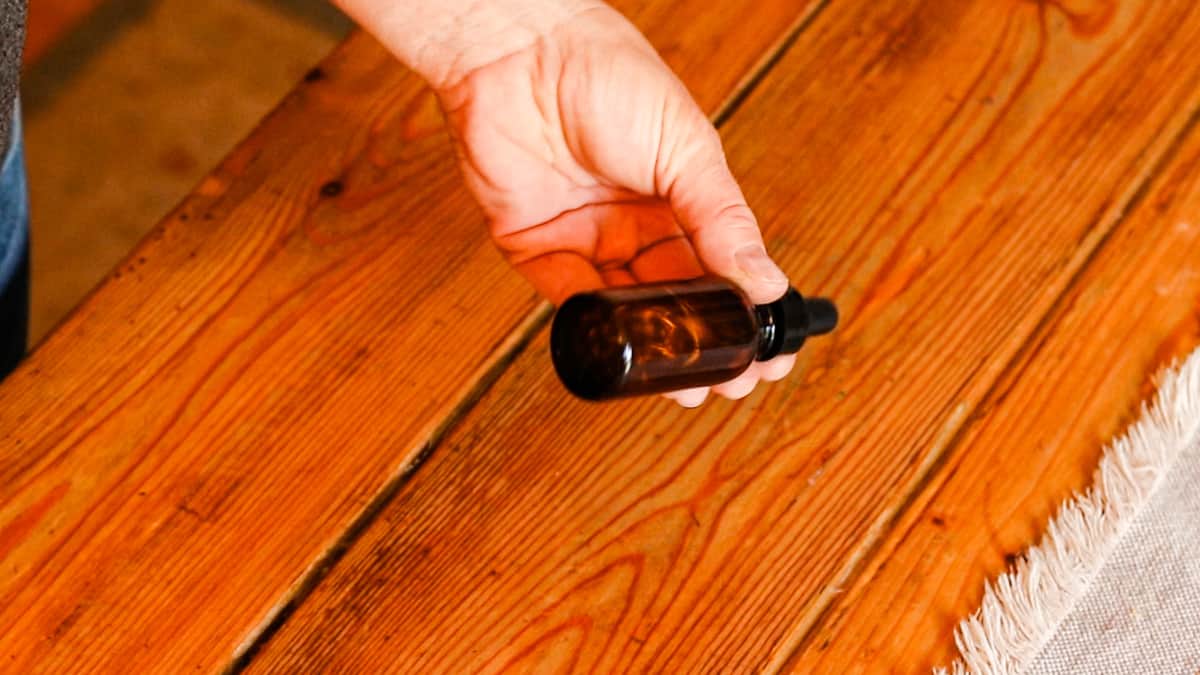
point(50, 20)
point(189, 446)
point(1035, 440)
point(945, 170)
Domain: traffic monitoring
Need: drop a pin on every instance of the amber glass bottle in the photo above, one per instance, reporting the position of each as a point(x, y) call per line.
point(662, 337)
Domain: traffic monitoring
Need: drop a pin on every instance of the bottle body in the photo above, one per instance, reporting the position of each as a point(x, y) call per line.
point(655, 338)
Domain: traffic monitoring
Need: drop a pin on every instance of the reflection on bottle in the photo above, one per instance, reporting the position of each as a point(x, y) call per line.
point(664, 337)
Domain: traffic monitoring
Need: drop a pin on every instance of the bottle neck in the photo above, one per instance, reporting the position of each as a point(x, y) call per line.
point(770, 333)
point(785, 324)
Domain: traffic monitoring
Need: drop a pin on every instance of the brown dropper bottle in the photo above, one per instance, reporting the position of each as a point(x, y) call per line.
point(663, 337)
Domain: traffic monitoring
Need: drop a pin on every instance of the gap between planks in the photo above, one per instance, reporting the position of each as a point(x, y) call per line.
point(512, 347)
point(967, 419)
point(226, 187)
point(509, 350)
point(950, 435)
point(214, 191)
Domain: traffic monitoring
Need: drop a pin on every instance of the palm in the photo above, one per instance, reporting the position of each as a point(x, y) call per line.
point(595, 168)
point(563, 163)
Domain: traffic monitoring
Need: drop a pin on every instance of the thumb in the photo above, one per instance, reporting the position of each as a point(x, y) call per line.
point(713, 212)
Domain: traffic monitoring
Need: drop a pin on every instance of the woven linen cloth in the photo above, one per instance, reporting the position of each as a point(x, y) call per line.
point(1142, 611)
point(1113, 585)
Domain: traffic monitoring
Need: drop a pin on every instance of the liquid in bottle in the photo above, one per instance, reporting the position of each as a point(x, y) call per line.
point(656, 338)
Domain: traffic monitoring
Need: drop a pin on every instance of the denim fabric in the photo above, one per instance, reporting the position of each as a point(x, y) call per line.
point(14, 252)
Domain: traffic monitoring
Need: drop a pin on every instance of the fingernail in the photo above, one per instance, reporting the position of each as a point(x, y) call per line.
point(756, 264)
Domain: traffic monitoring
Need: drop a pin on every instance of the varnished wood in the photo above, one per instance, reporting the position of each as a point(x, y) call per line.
point(180, 455)
point(942, 169)
point(1034, 442)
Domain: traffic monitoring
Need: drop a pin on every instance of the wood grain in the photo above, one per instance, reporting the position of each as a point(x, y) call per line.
point(181, 454)
point(942, 169)
point(1032, 444)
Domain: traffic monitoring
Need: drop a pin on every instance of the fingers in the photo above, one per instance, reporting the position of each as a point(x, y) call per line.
point(742, 385)
point(618, 277)
point(689, 398)
point(777, 368)
point(713, 212)
point(670, 258)
point(594, 243)
point(560, 274)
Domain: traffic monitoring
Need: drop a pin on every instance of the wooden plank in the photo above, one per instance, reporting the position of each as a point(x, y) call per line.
point(942, 169)
point(1034, 442)
point(50, 20)
point(180, 455)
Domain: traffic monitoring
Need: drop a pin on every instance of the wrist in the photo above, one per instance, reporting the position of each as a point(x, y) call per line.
point(446, 40)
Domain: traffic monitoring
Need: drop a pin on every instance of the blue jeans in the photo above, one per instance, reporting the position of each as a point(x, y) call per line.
point(14, 252)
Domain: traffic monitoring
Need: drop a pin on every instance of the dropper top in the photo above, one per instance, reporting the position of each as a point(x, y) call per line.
point(822, 315)
point(801, 317)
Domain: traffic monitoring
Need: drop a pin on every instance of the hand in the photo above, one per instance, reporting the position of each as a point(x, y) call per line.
point(592, 163)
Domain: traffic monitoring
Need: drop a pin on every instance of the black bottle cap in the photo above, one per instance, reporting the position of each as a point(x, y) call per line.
point(822, 315)
point(801, 317)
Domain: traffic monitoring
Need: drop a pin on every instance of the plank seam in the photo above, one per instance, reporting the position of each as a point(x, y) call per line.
point(1049, 579)
point(326, 561)
point(520, 340)
point(773, 55)
point(871, 548)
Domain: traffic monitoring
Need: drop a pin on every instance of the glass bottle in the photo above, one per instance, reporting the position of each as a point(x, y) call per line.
point(655, 338)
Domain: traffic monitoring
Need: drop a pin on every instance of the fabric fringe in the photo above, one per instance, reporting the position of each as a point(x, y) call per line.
point(1022, 610)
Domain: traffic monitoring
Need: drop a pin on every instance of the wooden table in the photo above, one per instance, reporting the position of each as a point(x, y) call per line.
point(310, 424)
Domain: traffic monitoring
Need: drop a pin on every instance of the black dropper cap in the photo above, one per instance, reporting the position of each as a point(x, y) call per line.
point(800, 317)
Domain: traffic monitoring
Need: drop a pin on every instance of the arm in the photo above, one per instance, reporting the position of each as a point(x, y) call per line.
point(443, 40)
point(592, 162)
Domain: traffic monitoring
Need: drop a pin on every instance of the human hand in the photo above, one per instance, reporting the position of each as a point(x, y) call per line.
point(592, 162)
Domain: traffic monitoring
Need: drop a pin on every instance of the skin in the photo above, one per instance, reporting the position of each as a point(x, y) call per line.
point(592, 163)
